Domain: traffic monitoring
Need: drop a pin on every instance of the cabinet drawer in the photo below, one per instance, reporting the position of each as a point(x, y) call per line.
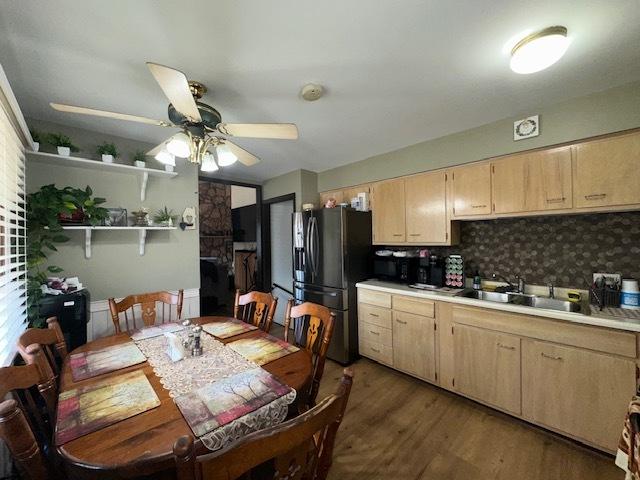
point(372, 297)
point(375, 334)
point(376, 351)
point(425, 308)
point(374, 315)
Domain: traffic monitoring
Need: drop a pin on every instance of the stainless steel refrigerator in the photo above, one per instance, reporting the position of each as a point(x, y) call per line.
point(331, 253)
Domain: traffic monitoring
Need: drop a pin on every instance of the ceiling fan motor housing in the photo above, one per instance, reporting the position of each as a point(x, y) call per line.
point(210, 116)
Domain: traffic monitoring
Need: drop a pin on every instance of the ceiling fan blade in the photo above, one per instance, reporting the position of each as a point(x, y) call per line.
point(103, 113)
point(175, 86)
point(285, 131)
point(244, 157)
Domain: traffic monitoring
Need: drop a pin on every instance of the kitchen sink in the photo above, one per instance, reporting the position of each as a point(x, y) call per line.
point(524, 300)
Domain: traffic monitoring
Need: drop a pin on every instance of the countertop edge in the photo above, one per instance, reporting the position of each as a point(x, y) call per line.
point(626, 325)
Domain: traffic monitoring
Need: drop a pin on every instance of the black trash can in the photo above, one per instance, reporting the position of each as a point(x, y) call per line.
point(72, 310)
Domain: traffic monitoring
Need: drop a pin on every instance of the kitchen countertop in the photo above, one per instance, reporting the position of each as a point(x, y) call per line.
point(599, 321)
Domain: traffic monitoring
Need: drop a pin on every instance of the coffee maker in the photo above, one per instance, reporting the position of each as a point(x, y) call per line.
point(431, 271)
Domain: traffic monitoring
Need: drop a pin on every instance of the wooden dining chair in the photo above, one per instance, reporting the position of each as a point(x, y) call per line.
point(301, 448)
point(50, 339)
point(23, 426)
point(147, 303)
point(257, 308)
point(312, 330)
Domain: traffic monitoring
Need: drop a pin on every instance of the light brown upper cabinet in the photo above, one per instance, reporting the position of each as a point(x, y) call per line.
point(388, 214)
point(607, 172)
point(532, 182)
point(471, 190)
point(337, 195)
point(426, 208)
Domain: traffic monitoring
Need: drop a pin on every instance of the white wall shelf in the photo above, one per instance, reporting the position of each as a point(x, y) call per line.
point(142, 173)
point(88, 230)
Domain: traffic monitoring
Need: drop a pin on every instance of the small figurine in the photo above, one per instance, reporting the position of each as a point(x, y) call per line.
point(330, 203)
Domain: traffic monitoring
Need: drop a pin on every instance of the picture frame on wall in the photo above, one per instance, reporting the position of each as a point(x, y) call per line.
point(526, 128)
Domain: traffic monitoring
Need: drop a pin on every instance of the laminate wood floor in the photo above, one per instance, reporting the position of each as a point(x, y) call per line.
point(397, 427)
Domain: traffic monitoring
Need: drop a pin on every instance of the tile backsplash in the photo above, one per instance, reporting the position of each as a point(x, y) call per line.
point(563, 250)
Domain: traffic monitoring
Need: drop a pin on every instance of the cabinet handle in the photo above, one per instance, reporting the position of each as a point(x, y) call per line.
point(397, 234)
point(415, 234)
point(478, 206)
point(374, 333)
point(400, 321)
point(507, 347)
point(374, 314)
point(556, 200)
point(375, 350)
point(550, 357)
point(595, 196)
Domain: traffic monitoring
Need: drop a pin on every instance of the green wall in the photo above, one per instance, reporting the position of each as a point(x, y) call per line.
point(171, 259)
point(597, 114)
point(301, 182)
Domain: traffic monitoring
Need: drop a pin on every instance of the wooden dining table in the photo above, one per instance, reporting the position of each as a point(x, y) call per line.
point(143, 444)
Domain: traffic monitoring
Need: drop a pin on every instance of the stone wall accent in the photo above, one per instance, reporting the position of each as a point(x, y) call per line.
point(216, 235)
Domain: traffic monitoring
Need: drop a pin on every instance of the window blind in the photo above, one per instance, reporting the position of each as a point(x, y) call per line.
point(13, 255)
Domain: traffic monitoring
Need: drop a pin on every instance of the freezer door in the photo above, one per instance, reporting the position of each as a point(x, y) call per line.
point(332, 298)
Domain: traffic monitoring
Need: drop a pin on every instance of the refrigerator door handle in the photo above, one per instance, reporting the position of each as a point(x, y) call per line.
point(325, 294)
point(316, 242)
point(307, 240)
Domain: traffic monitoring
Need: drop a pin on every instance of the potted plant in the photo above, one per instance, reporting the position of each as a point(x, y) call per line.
point(44, 231)
point(35, 136)
point(63, 144)
point(164, 217)
point(108, 151)
point(140, 159)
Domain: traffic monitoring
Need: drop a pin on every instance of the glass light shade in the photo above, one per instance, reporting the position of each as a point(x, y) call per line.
point(208, 163)
point(180, 146)
point(165, 157)
point(225, 156)
point(539, 51)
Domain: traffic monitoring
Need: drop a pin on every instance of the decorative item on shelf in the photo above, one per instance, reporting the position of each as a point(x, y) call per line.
point(188, 219)
point(307, 206)
point(330, 203)
point(140, 159)
point(35, 136)
point(117, 217)
point(108, 152)
point(44, 231)
point(141, 217)
point(62, 143)
point(454, 271)
point(526, 128)
point(363, 198)
point(164, 217)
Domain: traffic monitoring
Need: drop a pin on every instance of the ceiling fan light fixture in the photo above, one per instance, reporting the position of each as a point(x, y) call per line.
point(208, 163)
point(165, 157)
point(539, 50)
point(180, 146)
point(225, 156)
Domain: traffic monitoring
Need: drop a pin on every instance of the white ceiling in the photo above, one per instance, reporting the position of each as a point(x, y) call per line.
point(397, 72)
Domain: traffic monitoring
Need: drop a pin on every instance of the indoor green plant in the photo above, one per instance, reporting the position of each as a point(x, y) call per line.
point(44, 231)
point(35, 136)
point(164, 217)
point(140, 159)
point(63, 143)
point(108, 151)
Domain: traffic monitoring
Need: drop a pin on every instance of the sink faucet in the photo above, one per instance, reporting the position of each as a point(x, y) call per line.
point(520, 284)
point(552, 293)
point(518, 288)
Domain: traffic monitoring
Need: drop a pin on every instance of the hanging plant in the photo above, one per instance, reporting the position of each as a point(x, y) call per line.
point(45, 209)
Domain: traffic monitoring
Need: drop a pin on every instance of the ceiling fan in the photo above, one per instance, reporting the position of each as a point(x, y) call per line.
point(203, 136)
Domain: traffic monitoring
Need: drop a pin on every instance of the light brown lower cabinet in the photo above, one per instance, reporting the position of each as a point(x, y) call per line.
point(582, 393)
point(487, 366)
point(414, 345)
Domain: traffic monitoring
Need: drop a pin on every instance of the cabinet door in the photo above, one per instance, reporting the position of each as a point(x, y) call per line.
point(471, 190)
point(487, 366)
point(349, 193)
point(426, 208)
point(388, 214)
point(335, 194)
point(532, 182)
point(576, 391)
point(607, 172)
point(414, 345)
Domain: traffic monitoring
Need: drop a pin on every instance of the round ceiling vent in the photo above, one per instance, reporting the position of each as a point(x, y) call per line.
point(311, 92)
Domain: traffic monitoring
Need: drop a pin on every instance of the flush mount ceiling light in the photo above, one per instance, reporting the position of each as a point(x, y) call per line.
point(539, 50)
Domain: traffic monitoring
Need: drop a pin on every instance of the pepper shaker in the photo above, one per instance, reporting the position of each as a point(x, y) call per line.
point(196, 350)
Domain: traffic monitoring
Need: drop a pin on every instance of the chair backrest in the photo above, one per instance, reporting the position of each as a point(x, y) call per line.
point(16, 427)
point(299, 448)
point(147, 303)
point(50, 339)
point(312, 330)
point(257, 308)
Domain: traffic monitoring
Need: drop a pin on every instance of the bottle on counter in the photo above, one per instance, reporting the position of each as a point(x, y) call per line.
point(630, 294)
point(477, 281)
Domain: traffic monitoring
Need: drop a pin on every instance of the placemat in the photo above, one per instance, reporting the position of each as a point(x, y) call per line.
point(262, 350)
point(92, 407)
point(90, 364)
point(228, 328)
point(155, 331)
point(226, 400)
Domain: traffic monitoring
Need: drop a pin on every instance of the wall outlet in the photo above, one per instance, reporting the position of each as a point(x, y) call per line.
point(609, 278)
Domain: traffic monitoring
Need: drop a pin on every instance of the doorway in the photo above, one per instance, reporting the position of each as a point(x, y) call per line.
point(278, 248)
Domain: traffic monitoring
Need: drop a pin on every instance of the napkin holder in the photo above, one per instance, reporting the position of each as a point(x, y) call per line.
point(175, 350)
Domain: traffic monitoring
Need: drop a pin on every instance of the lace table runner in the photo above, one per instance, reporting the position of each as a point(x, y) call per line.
point(217, 362)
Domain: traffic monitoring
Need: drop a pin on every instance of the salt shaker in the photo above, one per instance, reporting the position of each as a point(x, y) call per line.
point(196, 350)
